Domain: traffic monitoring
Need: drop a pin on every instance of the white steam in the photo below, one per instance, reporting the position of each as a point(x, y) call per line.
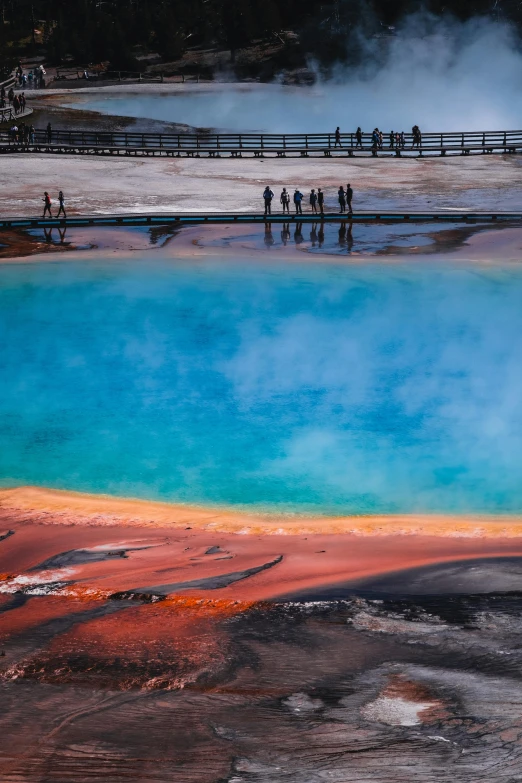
point(442, 75)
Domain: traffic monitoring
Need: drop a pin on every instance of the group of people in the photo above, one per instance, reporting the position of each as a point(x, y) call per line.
point(48, 204)
point(33, 78)
point(18, 102)
point(24, 134)
point(396, 140)
point(315, 200)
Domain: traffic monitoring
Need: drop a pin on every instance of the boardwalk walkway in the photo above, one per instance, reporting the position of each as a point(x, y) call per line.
point(182, 218)
point(260, 145)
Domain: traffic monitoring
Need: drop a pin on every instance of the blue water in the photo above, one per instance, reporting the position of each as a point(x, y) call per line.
point(312, 387)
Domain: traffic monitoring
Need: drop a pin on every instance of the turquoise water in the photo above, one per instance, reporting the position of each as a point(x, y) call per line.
point(312, 387)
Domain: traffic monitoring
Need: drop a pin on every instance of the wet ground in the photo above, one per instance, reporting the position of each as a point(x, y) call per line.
point(422, 687)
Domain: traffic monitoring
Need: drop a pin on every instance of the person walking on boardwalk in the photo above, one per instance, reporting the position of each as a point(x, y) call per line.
point(338, 137)
point(358, 139)
point(392, 139)
point(298, 197)
point(49, 133)
point(320, 200)
point(61, 201)
point(268, 196)
point(342, 199)
point(313, 201)
point(349, 196)
point(285, 201)
point(47, 205)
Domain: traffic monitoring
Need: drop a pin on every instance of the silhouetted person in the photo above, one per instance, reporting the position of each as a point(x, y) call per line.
point(47, 205)
point(358, 138)
point(337, 137)
point(341, 195)
point(61, 201)
point(313, 201)
point(320, 200)
point(392, 139)
point(285, 201)
point(49, 133)
point(298, 197)
point(349, 196)
point(268, 196)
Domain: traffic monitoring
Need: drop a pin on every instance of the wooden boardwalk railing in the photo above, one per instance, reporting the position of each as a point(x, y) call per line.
point(259, 144)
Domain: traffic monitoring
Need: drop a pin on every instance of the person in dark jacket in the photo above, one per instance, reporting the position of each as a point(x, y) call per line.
point(298, 197)
point(285, 201)
point(349, 196)
point(342, 199)
point(268, 196)
point(338, 137)
point(320, 200)
point(313, 200)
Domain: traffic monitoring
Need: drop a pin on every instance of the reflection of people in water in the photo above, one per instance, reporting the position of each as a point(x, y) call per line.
point(349, 237)
point(313, 234)
point(285, 233)
point(320, 235)
point(345, 237)
point(298, 233)
point(48, 234)
point(269, 237)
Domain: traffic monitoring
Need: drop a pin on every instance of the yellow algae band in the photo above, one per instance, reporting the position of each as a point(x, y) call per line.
point(54, 506)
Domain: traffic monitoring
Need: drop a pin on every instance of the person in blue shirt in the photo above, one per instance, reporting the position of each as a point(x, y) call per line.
point(298, 197)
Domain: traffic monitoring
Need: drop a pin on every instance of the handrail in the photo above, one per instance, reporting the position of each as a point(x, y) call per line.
point(274, 140)
point(259, 143)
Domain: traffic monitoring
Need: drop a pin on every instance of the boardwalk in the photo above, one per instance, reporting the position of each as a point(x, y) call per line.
point(248, 217)
point(260, 145)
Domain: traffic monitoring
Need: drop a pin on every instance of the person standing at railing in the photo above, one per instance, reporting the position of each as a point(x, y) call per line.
point(392, 139)
point(285, 201)
point(49, 133)
point(358, 139)
point(338, 137)
point(32, 134)
point(313, 201)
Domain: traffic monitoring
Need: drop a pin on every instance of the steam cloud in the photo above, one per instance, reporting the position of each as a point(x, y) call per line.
point(442, 75)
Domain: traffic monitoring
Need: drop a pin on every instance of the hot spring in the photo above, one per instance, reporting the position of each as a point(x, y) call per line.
point(305, 387)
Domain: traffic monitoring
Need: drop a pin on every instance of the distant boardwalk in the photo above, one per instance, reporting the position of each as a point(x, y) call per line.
point(251, 217)
point(279, 145)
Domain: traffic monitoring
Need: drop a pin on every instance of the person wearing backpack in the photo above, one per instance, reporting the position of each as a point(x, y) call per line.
point(313, 200)
point(298, 197)
point(285, 201)
point(47, 205)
